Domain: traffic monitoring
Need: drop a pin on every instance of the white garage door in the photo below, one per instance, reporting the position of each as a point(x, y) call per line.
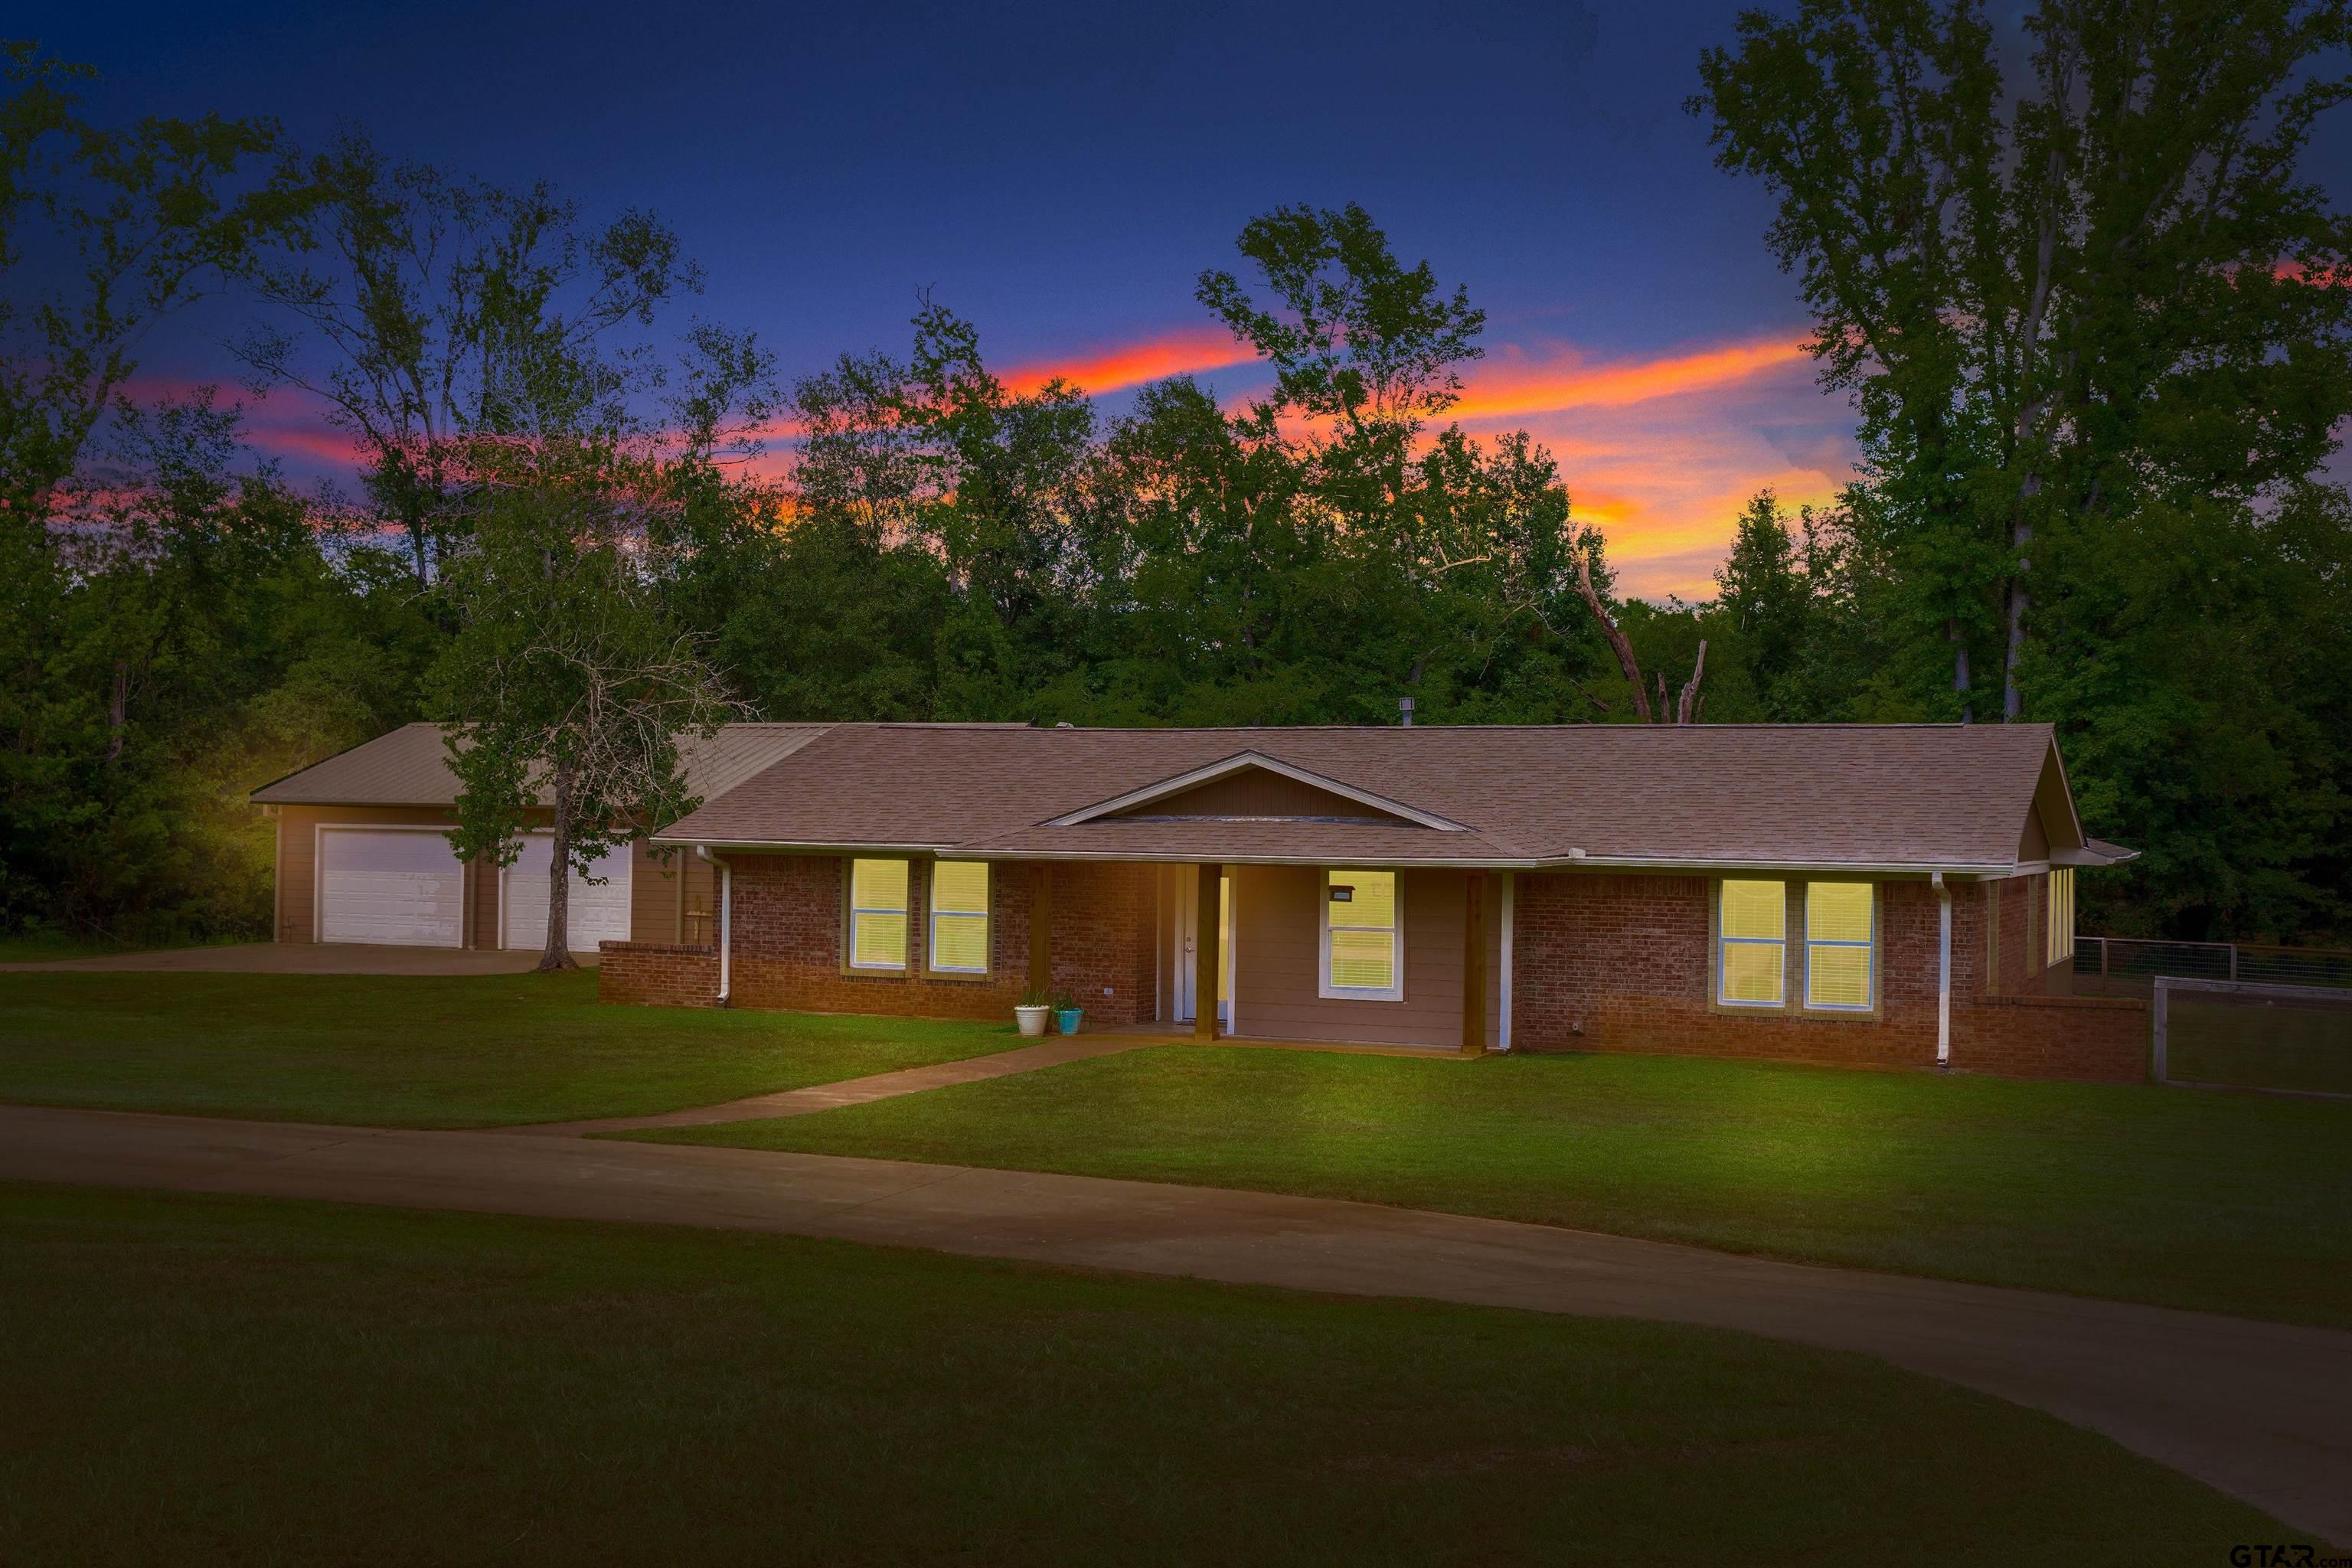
point(380, 885)
point(592, 913)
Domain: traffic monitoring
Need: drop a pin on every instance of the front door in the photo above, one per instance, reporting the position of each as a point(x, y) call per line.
point(1188, 962)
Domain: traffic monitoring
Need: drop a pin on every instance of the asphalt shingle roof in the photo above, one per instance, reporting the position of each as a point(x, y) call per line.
point(409, 766)
point(1895, 795)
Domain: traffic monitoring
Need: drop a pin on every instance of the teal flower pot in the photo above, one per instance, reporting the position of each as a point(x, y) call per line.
point(1066, 1019)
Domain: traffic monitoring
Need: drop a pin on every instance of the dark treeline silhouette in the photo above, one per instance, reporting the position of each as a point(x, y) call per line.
point(2095, 369)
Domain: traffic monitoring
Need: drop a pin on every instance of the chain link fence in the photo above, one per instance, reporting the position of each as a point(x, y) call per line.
point(2225, 1034)
point(2128, 966)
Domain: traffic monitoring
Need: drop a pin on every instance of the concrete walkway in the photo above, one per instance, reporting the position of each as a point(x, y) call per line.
point(303, 958)
point(1053, 1052)
point(2259, 1410)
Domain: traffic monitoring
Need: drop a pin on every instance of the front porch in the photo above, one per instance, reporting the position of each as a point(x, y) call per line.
point(1412, 962)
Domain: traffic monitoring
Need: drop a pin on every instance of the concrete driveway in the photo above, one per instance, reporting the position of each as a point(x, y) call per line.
point(2258, 1410)
point(302, 958)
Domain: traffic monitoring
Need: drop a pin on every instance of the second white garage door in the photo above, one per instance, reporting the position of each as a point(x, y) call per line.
point(387, 885)
point(592, 914)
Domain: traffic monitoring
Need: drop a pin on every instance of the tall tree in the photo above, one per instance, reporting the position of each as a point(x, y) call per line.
point(421, 309)
point(568, 684)
point(104, 231)
point(2097, 321)
point(2060, 297)
point(1763, 587)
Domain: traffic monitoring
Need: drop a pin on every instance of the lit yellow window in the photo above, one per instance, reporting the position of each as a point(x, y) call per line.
point(1363, 954)
point(959, 916)
point(1841, 952)
point(877, 914)
point(1752, 956)
point(2062, 914)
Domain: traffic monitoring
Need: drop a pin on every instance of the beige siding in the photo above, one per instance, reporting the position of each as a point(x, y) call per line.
point(1279, 962)
point(1258, 791)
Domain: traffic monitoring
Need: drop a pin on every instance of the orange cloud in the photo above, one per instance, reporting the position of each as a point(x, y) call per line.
point(1514, 385)
point(1179, 352)
point(2321, 276)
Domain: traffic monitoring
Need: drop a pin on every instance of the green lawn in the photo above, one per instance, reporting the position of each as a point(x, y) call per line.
point(224, 1380)
point(2234, 1202)
point(55, 947)
point(476, 1051)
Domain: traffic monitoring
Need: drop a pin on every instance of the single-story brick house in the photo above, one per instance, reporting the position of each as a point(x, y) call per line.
point(1883, 894)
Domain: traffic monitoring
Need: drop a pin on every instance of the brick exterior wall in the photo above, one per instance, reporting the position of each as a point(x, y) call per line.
point(659, 973)
point(1625, 963)
point(1600, 962)
point(788, 938)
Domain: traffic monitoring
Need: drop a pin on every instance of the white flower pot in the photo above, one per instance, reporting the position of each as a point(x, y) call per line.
point(1032, 1021)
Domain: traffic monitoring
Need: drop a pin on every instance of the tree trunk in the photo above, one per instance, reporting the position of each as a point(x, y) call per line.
point(2012, 704)
point(1617, 640)
point(1959, 667)
point(558, 882)
point(1687, 712)
point(117, 710)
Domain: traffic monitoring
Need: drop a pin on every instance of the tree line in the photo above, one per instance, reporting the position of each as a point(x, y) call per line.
point(2093, 319)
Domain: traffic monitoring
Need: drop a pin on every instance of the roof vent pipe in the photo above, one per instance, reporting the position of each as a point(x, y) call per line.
point(1404, 708)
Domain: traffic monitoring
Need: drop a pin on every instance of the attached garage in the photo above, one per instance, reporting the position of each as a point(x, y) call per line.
point(401, 886)
point(594, 911)
point(362, 855)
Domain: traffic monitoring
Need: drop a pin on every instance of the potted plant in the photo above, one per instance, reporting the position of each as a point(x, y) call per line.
point(1066, 1013)
point(1031, 1013)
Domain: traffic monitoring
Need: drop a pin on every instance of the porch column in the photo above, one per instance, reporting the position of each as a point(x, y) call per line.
point(1208, 964)
point(1041, 928)
point(1474, 968)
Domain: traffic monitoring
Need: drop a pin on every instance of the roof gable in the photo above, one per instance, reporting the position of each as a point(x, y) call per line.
point(1252, 786)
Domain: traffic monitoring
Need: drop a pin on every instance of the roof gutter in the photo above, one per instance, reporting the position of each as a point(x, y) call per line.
point(1575, 859)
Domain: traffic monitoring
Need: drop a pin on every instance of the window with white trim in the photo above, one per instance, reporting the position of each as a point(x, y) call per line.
point(1752, 962)
point(1363, 943)
point(877, 915)
point(959, 917)
point(1841, 946)
point(2062, 914)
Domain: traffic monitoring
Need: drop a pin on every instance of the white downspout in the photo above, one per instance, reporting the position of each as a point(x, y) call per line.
point(1510, 890)
point(725, 920)
point(1943, 972)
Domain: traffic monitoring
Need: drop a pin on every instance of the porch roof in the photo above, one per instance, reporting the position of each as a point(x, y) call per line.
point(1894, 798)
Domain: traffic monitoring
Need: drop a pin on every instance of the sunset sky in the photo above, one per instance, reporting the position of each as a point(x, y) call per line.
point(1060, 174)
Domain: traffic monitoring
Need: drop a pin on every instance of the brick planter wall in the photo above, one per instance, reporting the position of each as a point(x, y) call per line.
point(2104, 1039)
point(1623, 964)
point(657, 973)
point(788, 937)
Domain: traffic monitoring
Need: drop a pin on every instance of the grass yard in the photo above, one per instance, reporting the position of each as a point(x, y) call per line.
point(56, 947)
point(229, 1380)
point(2232, 1203)
point(407, 1051)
